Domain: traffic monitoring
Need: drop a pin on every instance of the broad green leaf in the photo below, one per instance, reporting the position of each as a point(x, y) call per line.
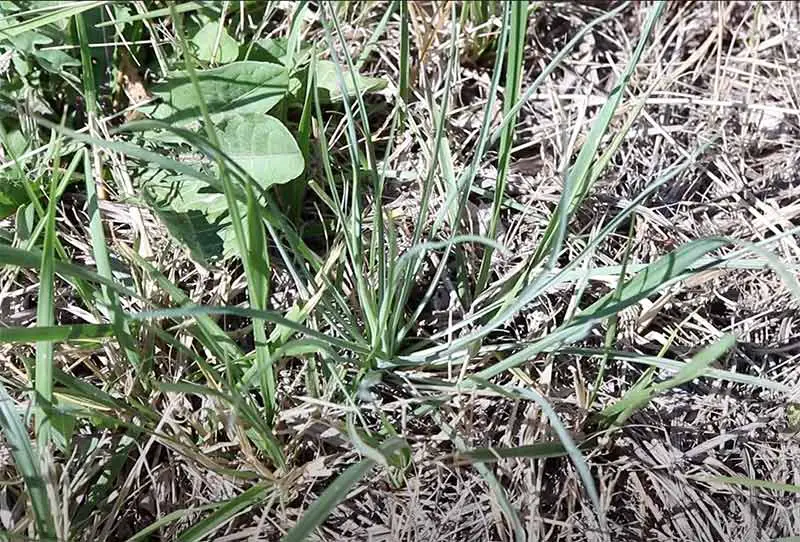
point(196, 215)
point(12, 195)
point(263, 147)
point(55, 60)
point(237, 88)
point(213, 44)
point(328, 82)
point(191, 211)
point(27, 41)
point(276, 50)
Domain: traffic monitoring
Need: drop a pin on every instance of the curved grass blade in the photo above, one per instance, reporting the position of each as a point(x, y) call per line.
point(576, 185)
point(31, 259)
point(269, 316)
point(667, 270)
point(170, 518)
point(674, 365)
point(571, 448)
point(225, 512)
point(336, 492)
point(43, 20)
point(27, 463)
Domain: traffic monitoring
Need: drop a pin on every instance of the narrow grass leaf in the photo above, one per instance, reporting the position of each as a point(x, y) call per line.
point(576, 184)
point(171, 518)
point(224, 512)
point(540, 450)
point(336, 493)
point(571, 448)
point(27, 464)
point(743, 481)
point(43, 20)
point(71, 332)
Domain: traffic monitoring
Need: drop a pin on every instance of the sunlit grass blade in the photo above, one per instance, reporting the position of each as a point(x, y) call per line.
point(639, 397)
point(667, 270)
point(28, 465)
point(674, 365)
point(752, 483)
point(511, 302)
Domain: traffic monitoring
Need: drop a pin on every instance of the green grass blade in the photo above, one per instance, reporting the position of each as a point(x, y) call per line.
point(667, 270)
point(73, 332)
point(674, 365)
point(171, 518)
point(184, 7)
point(571, 448)
point(269, 316)
point(225, 512)
point(31, 259)
point(404, 82)
point(514, 69)
point(576, 183)
point(639, 396)
point(45, 317)
point(27, 464)
point(103, 262)
point(97, 236)
point(249, 244)
point(37, 22)
point(750, 483)
point(540, 450)
point(699, 364)
point(336, 492)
